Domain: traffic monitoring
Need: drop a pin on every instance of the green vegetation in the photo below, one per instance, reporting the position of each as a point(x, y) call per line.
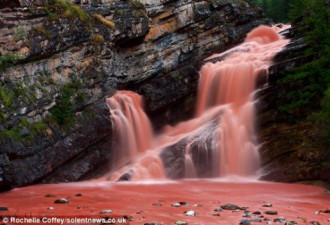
point(8, 60)
point(44, 31)
point(20, 33)
point(17, 132)
point(6, 96)
point(309, 100)
point(278, 10)
point(64, 110)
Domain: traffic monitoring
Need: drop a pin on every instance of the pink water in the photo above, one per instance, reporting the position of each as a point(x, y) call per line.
point(225, 97)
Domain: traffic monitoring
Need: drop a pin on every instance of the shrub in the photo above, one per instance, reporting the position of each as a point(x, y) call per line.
point(103, 20)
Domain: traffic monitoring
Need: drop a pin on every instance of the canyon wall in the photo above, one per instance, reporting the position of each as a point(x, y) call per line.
point(59, 61)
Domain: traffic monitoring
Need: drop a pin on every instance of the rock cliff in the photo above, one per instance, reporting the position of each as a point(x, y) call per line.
point(290, 151)
point(59, 60)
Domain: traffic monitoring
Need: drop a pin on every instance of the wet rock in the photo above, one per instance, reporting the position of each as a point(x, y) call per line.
point(105, 211)
point(245, 222)
point(279, 220)
point(270, 212)
point(291, 222)
point(50, 196)
point(218, 209)
point(314, 222)
point(126, 176)
point(180, 223)
point(128, 217)
point(327, 191)
point(157, 204)
point(61, 201)
point(230, 207)
point(247, 214)
point(184, 203)
point(190, 213)
point(2, 209)
point(267, 205)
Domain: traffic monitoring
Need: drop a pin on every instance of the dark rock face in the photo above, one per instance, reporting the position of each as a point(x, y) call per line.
point(200, 146)
point(152, 47)
point(284, 157)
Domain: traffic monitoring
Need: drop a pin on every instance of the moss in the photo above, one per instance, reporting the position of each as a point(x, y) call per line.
point(64, 9)
point(118, 12)
point(8, 60)
point(7, 97)
point(39, 127)
point(97, 38)
point(137, 4)
point(20, 33)
point(13, 133)
point(44, 31)
point(103, 20)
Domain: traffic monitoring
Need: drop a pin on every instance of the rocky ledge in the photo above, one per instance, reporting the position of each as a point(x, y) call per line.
point(59, 60)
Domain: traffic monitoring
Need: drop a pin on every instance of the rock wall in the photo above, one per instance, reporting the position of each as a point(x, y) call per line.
point(71, 56)
point(285, 154)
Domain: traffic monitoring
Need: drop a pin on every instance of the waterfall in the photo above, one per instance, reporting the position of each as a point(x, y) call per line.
point(221, 139)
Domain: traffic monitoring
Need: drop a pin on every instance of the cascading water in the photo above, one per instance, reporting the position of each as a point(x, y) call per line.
point(220, 140)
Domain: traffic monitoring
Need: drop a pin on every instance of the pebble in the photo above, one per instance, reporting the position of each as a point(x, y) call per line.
point(197, 205)
point(152, 223)
point(267, 205)
point(279, 220)
point(256, 220)
point(128, 217)
point(230, 207)
point(314, 222)
point(180, 223)
point(3, 209)
point(256, 213)
point(61, 201)
point(157, 204)
point(218, 210)
point(78, 195)
point(292, 222)
point(247, 214)
point(50, 196)
point(271, 212)
point(177, 204)
point(215, 214)
point(191, 213)
point(268, 222)
point(317, 212)
point(245, 222)
point(184, 203)
point(50, 208)
point(326, 211)
point(105, 211)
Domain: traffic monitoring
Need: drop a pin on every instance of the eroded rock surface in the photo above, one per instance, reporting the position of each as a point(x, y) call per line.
point(153, 47)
